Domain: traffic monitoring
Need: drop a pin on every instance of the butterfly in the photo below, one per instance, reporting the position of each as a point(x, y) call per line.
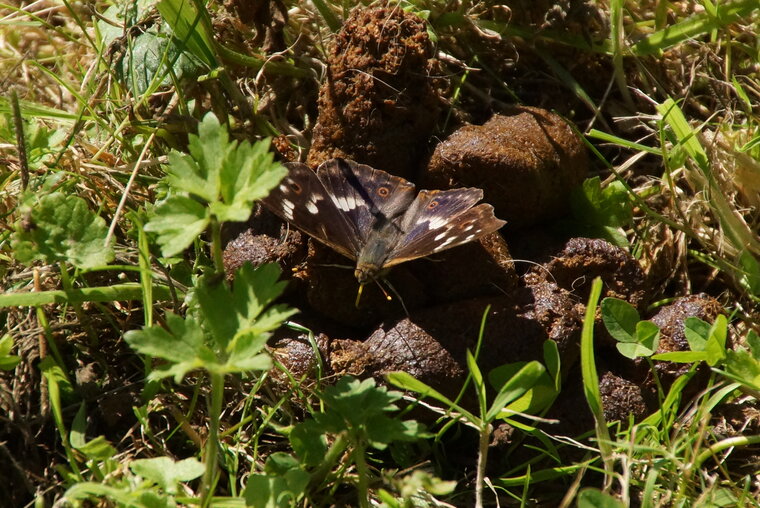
point(376, 219)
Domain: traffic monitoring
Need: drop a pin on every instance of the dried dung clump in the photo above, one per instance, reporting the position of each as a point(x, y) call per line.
point(381, 98)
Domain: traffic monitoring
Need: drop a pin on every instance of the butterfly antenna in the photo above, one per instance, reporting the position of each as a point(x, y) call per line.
point(361, 288)
point(393, 290)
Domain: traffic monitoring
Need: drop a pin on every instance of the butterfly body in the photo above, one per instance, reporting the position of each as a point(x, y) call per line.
point(375, 218)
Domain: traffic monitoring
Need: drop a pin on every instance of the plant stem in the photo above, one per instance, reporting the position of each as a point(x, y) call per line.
point(216, 244)
point(485, 436)
point(212, 443)
point(363, 472)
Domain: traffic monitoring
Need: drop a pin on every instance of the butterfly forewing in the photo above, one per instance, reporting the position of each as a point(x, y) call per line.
point(370, 198)
point(302, 200)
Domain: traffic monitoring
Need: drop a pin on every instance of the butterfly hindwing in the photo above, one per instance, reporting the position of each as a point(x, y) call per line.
point(440, 220)
point(370, 198)
point(302, 200)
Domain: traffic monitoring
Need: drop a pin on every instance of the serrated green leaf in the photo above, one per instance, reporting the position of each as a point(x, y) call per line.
point(182, 341)
point(620, 319)
point(309, 442)
point(246, 362)
point(178, 221)
point(256, 288)
point(383, 430)
point(248, 175)
point(167, 473)
point(199, 173)
point(179, 370)
point(272, 318)
point(194, 176)
point(219, 309)
point(63, 228)
point(229, 314)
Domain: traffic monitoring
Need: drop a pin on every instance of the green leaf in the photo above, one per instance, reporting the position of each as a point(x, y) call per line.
point(96, 449)
point(7, 360)
point(620, 318)
point(199, 172)
point(645, 343)
point(744, 368)
point(750, 275)
point(58, 227)
point(180, 343)
point(218, 177)
point(477, 380)
point(590, 375)
point(681, 356)
point(538, 397)
point(167, 473)
point(406, 381)
point(276, 491)
point(233, 316)
point(697, 332)
point(178, 221)
point(358, 408)
point(248, 175)
point(595, 498)
point(154, 59)
point(90, 490)
point(601, 213)
point(716, 343)
point(753, 341)
point(190, 28)
point(525, 379)
point(309, 442)
point(115, 292)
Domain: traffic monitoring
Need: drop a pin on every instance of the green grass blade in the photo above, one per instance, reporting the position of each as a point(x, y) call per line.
point(696, 25)
point(117, 292)
point(591, 379)
point(328, 15)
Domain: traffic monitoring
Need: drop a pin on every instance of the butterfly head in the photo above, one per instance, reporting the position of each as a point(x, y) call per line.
point(365, 273)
